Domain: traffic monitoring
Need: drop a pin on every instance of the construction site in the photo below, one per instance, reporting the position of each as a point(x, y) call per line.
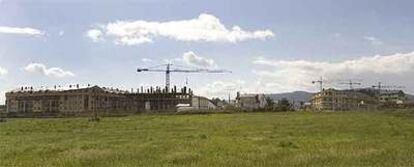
point(88, 100)
point(371, 98)
point(78, 100)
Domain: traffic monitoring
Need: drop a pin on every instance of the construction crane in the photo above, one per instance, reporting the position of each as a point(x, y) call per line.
point(320, 82)
point(168, 70)
point(351, 84)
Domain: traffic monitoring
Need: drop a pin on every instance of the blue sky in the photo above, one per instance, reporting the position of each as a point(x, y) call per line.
point(308, 39)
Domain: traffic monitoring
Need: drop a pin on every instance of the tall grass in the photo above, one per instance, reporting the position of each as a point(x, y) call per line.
point(243, 139)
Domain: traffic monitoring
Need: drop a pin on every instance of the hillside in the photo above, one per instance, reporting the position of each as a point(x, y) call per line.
point(410, 98)
point(296, 96)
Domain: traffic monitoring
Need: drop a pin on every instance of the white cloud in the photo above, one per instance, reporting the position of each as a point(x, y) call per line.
point(220, 88)
point(190, 58)
point(373, 40)
point(146, 60)
point(95, 34)
point(3, 71)
point(337, 35)
point(294, 75)
point(204, 28)
point(61, 33)
point(50, 72)
point(21, 31)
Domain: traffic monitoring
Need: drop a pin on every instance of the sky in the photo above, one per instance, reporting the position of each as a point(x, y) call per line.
point(271, 46)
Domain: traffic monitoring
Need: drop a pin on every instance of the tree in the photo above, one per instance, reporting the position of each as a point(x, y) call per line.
point(283, 105)
point(215, 101)
point(269, 104)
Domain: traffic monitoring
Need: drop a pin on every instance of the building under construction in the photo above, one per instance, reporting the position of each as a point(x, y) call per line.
point(74, 100)
point(343, 100)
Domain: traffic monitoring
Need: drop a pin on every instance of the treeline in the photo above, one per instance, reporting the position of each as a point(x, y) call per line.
point(281, 105)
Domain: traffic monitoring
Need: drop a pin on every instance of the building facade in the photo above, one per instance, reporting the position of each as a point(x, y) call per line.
point(342, 100)
point(2, 109)
point(250, 101)
point(77, 101)
point(202, 103)
point(392, 97)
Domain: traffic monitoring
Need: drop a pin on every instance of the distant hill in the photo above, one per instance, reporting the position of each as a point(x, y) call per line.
point(297, 96)
point(410, 98)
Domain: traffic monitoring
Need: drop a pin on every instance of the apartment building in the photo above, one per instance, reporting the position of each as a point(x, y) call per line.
point(75, 100)
point(343, 100)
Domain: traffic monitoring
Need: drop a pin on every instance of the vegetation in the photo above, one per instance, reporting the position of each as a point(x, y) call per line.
point(241, 139)
point(282, 105)
point(215, 101)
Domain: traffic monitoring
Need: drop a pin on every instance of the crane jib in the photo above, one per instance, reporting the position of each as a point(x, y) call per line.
point(168, 70)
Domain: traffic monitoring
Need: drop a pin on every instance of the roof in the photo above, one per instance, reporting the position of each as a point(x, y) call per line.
point(112, 90)
point(248, 95)
point(391, 91)
point(183, 105)
point(42, 88)
point(62, 89)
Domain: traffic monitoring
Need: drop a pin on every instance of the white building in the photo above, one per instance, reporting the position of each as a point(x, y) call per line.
point(202, 103)
point(251, 101)
point(197, 103)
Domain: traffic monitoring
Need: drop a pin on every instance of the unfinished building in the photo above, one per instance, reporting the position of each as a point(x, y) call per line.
point(27, 101)
point(392, 97)
point(343, 100)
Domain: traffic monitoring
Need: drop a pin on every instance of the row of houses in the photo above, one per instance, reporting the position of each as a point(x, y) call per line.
point(78, 101)
point(333, 100)
point(357, 99)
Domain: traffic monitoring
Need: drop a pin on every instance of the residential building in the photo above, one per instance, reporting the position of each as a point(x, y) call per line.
point(342, 100)
point(250, 101)
point(77, 101)
point(392, 97)
point(2, 108)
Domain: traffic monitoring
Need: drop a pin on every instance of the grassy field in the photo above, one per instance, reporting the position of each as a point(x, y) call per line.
point(243, 139)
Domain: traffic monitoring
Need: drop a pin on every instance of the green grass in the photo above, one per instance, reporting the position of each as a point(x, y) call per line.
point(244, 139)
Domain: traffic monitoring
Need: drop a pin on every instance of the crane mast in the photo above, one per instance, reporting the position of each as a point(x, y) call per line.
point(167, 77)
point(320, 82)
